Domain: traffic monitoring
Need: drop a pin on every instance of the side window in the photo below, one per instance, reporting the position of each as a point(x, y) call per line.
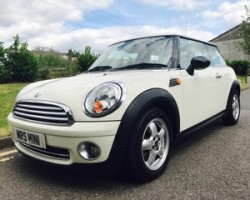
point(215, 57)
point(190, 49)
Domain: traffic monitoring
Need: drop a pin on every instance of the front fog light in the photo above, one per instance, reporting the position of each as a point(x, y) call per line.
point(89, 150)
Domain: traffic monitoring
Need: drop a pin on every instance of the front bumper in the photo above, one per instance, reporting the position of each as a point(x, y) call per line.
point(65, 140)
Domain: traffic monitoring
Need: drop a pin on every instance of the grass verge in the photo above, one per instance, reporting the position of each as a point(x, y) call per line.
point(8, 93)
point(243, 81)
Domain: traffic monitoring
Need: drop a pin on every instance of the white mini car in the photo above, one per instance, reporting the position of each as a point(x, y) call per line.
point(130, 106)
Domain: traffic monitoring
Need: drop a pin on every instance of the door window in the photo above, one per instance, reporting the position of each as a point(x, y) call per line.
point(190, 49)
point(215, 57)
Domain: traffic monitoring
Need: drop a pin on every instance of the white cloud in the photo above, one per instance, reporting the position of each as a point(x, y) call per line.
point(99, 39)
point(42, 18)
point(211, 14)
point(177, 4)
point(44, 23)
point(231, 13)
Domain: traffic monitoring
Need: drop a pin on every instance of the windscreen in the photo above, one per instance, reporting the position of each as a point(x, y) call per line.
point(153, 50)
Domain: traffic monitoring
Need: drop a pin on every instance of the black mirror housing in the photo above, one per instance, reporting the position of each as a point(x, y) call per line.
point(198, 63)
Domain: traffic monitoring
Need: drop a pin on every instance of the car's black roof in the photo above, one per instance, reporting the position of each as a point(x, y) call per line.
point(173, 35)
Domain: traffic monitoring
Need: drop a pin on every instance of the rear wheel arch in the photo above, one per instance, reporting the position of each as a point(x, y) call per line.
point(235, 87)
point(232, 111)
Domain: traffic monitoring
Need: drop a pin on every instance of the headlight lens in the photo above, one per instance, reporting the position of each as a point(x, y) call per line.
point(104, 99)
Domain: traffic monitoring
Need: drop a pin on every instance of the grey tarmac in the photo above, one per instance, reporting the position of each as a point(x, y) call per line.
point(212, 164)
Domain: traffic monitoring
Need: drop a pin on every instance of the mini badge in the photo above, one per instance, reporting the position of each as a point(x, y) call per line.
point(37, 95)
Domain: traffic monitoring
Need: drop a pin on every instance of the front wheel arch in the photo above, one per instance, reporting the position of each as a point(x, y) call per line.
point(155, 97)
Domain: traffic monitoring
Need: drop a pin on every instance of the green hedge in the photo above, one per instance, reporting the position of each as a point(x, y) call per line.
point(241, 67)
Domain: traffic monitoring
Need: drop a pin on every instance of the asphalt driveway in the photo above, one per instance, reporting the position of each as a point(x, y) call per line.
point(212, 164)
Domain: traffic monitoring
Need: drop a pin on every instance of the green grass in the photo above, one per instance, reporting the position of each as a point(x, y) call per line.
point(8, 94)
point(9, 91)
point(243, 82)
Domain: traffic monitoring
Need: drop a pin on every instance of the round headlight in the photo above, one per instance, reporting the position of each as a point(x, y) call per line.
point(104, 99)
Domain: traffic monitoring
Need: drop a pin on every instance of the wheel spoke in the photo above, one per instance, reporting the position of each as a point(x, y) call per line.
point(162, 134)
point(155, 144)
point(152, 157)
point(147, 144)
point(161, 152)
point(235, 107)
point(235, 113)
point(153, 128)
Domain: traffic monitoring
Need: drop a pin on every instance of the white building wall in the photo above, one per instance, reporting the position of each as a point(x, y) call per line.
point(230, 50)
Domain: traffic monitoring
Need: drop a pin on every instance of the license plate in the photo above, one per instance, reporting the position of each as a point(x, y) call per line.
point(30, 138)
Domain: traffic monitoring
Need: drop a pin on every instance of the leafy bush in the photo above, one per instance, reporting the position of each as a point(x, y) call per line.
point(74, 67)
point(51, 60)
point(43, 74)
point(18, 64)
point(53, 64)
point(2, 52)
point(86, 59)
point(5, 74)
point(241, 67)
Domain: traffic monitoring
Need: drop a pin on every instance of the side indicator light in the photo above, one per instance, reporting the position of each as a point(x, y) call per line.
point(174, 82)
point(178, 81)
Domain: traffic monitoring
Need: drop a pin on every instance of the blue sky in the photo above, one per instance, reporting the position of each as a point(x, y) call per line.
point(73, 24)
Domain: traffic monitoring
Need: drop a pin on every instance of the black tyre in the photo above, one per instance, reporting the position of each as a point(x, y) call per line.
point(232, 113)
point(150, 146)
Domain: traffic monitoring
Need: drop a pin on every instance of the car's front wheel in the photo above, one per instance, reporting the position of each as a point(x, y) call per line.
point(232, 114)
point(150, 145)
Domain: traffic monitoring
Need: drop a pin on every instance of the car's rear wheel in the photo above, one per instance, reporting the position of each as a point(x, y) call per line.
point(233, 109)
point(150, 146)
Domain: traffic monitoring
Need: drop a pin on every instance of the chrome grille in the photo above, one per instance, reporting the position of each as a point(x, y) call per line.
point(43, 112)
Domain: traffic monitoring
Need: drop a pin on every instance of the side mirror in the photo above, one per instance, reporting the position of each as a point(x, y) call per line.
point(198, 63)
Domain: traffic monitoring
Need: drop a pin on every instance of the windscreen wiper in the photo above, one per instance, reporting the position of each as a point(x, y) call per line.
point(142, 66)
point(99, 68)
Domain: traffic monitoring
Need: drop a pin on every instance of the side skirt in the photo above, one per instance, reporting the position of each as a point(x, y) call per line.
point(199, 126)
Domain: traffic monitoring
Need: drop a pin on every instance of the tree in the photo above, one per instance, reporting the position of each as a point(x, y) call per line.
point(5, 73)
point(245, 32)
point(2, 52)
point(22, 61)
point(86, 59)
point(19, 64)
point(73, 63)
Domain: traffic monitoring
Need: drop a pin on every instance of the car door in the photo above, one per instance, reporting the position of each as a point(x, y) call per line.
point(223, 76)
point(200, 90)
